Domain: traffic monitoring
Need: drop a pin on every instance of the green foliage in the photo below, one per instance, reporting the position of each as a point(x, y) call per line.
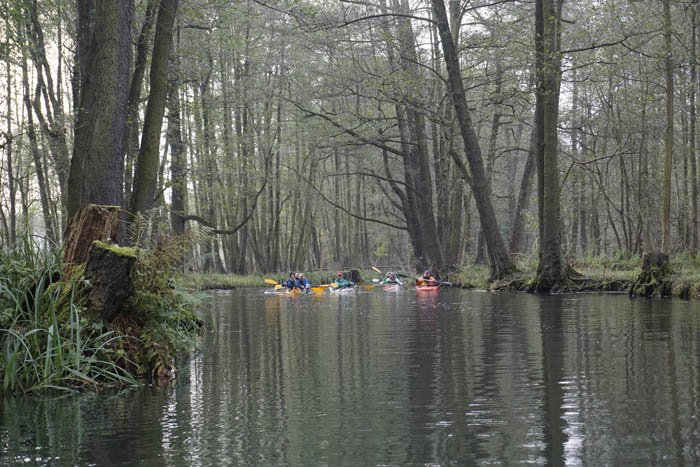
point(39, 351)
point(161, 316)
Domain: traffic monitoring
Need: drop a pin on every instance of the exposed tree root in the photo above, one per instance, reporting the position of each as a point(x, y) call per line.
point(653, 280)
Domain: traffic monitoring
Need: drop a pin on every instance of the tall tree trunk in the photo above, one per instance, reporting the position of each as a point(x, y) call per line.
point(178, 174)
point(668, 139)
point(693, 247)
point(96, 170)
point(131, 135)
point(146, 174)
point(518, 229)
point(551, 269)
point(11, 186)
point(491, 151)
point(499, 260)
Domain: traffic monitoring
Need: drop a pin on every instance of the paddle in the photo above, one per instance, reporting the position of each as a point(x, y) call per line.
point(376, 269)
point(270, 281)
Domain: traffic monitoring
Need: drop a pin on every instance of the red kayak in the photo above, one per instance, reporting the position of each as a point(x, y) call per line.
point(392, 287)
point(427, 288)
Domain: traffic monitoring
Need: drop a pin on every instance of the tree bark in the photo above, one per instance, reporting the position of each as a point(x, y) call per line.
point(668, 139)
point(96, 171)
point(551, 271)
point(178, 174)
point(146, 175)
point(131, 135)
point(518, 230)
point(693, 247)
point(90, 223)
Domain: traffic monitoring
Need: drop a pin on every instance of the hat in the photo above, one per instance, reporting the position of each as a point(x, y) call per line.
point(340, 274)
point(427, 271)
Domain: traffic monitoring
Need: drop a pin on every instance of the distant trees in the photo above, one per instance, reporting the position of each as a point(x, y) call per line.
point(336, 134)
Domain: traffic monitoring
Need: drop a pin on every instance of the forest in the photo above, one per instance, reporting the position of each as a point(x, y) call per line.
point(316, 134)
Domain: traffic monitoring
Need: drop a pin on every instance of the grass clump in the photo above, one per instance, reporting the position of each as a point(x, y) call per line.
point(45, 341)
point(48, 340)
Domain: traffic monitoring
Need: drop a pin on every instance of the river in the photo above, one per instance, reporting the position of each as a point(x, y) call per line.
point(377, 378)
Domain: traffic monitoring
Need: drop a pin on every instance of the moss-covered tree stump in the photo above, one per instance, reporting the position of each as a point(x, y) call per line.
point(89, 223)
point(108, 269)
point(652, 280)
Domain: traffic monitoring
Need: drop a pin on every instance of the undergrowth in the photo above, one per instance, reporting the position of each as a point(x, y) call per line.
point(49, 342)
point(45, 341)
point(161, 316)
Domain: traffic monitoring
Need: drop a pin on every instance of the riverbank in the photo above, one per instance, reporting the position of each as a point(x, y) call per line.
point(601, 274)
point(53, 338)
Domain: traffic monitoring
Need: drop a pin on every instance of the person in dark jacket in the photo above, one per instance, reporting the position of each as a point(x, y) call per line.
point(291, 283)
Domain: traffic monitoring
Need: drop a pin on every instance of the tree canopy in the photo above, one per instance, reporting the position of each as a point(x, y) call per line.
point(293, 135)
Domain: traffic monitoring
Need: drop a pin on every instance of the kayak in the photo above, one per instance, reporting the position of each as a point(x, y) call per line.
point(392, 287)
point(342, 290)
point(427, 288)
point(293, 292)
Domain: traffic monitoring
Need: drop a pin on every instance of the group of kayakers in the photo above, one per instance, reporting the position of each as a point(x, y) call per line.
point(426, 279)
point(297, 280)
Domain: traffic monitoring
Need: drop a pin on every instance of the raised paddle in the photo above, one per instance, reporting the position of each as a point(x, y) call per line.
point(376, 269)
point(271, 282)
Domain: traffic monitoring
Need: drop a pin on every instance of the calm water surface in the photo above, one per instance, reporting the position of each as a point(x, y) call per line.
point(376, 378)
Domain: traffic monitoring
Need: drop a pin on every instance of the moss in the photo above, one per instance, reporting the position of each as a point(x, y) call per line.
point(116, 249)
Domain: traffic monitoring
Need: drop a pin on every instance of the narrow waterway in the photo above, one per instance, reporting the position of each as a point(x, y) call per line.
point(377, 378)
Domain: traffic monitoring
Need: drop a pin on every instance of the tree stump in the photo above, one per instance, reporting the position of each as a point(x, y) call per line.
point(355, 276)
point(108, 269)
point(90, 223)
point(651, 281)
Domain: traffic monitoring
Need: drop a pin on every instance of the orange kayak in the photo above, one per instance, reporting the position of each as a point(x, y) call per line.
point(427, 288)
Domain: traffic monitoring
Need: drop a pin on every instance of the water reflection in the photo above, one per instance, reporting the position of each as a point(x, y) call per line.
point(376, 378)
